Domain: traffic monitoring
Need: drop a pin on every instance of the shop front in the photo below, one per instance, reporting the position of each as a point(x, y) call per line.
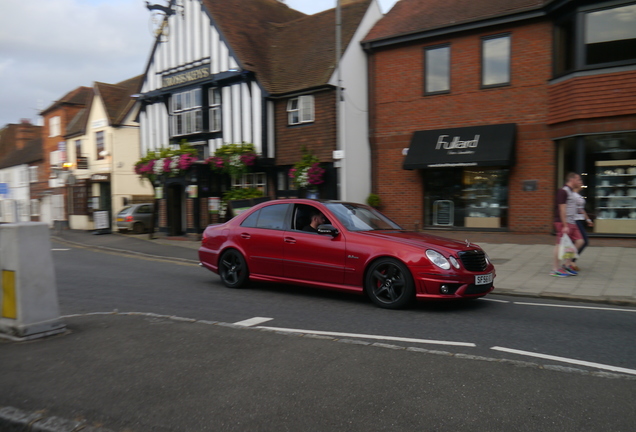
point(607, 163)
point(465, 173)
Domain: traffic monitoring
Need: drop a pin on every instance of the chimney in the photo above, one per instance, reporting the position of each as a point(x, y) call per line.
point(24, 134)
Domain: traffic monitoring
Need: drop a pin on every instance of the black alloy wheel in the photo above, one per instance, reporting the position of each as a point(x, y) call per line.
point(233, 269)
point(389, 284)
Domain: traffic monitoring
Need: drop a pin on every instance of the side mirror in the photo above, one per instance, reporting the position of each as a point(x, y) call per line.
point(328, 229)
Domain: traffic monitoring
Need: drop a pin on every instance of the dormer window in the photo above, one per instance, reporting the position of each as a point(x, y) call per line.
point(300, 110)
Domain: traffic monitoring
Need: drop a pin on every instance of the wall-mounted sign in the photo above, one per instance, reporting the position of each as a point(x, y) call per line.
point(214, 204)
point(193, 191)
point(100, 177)
point(530, 185)
point(96, 124)
point(159, 192)
point(186, 76)
point(443, 213)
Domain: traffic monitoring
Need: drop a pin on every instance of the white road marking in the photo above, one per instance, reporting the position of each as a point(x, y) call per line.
point(576, 307)
point(253, 321)
point(493, 300)
point(367, 336)
point(54, 249)
point(566, 360)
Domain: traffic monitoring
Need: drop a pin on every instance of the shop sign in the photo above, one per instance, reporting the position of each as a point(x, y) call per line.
point(186, 76)
point(100, 177)
point(193, 191)
point(462, 147)
point(214, 204)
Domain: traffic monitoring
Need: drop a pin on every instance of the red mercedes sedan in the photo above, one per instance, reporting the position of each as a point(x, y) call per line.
point(343, 246)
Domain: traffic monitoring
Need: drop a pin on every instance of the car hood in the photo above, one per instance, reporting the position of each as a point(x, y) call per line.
point(421, 240)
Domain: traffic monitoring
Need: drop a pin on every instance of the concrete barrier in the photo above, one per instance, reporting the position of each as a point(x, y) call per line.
point(28, 292)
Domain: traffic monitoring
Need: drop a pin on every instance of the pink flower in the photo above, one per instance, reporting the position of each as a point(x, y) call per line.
point(186, 161)
point(166, 164)
point(315, 174)
point(292, 173)
point(248, 159)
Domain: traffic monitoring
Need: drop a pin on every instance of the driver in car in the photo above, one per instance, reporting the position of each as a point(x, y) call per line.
point(317, 218)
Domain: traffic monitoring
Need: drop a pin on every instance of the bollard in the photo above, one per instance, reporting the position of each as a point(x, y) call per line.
point(28, 293)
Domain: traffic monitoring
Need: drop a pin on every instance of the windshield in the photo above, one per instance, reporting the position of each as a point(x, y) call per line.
point(357, 217)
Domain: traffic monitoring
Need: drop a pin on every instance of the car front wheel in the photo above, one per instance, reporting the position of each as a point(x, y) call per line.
point(233, 269)
point(389, 284)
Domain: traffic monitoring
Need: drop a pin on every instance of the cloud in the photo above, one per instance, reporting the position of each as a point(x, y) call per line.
point(50, 47)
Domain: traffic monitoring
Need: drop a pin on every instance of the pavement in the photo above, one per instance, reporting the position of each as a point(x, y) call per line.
point(128, 371)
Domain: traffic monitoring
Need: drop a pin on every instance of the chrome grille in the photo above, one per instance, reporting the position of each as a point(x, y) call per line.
point(473, 260)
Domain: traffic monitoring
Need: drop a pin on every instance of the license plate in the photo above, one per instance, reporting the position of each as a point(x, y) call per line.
point(483, 279)
point(120, 219)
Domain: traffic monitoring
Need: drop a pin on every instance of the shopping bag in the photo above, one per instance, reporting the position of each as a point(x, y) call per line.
point(567, 250)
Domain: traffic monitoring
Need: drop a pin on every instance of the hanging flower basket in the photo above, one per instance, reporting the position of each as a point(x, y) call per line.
point(166, 161)
point(307, 173)
point(233, 159)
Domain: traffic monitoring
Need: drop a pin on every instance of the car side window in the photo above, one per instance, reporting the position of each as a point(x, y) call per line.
point(270, 217)
point(250, 221)
point(144, 209)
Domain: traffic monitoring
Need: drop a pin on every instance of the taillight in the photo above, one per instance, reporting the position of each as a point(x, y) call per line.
point(129, 218)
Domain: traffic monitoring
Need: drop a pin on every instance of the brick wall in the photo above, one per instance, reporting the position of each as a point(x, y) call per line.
point(399, 109)
point(319, 137)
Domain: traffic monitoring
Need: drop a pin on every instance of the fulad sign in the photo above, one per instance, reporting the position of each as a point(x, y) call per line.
point(455, 143)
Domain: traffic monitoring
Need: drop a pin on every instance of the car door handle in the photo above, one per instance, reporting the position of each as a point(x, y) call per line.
point(246, 236)
point(290, 240)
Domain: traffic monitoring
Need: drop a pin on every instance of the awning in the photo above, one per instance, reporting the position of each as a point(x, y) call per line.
point(476, 146)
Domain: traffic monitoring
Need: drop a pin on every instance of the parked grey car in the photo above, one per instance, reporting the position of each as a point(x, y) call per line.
point(136, 218)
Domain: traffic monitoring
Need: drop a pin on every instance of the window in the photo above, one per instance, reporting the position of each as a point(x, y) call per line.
point(78, 150)
point(495, 61)
point(54, 126)
point(588, 39)
point(250, 180)
point(214, 96)
point(610, 35)
point(271, 217)
point(79, 196)
point(33, 174)
point(300, 110)
point(186, 112)
point(35, 207)
point(99, 143)
point(437, 70)
point(23, 176)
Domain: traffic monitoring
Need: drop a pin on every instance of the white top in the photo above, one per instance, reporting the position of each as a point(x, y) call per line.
point(579, 201)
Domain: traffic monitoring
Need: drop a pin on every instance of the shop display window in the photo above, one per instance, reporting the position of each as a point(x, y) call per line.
point(470, 198)
point(607, 164)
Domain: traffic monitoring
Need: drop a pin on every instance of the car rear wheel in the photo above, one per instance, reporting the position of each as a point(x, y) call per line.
point(389, 284)
point(138, 228)
point(233, 269)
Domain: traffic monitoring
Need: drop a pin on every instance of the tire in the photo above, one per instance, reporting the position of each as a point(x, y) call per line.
point(233, 269)
point(138, 228)
point(389, 284)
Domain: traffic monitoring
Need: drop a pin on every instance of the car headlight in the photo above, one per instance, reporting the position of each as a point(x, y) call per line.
point(438, 259)
point(454, 262)
point(487, 257)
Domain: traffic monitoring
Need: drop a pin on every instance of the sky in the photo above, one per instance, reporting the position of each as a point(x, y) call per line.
point(50, 47)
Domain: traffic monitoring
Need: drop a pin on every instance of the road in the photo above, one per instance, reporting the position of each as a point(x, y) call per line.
point(430, 368)
point(581, 333)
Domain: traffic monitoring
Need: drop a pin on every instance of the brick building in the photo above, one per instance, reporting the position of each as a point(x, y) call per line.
point(479, 109)
point(56, 120)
